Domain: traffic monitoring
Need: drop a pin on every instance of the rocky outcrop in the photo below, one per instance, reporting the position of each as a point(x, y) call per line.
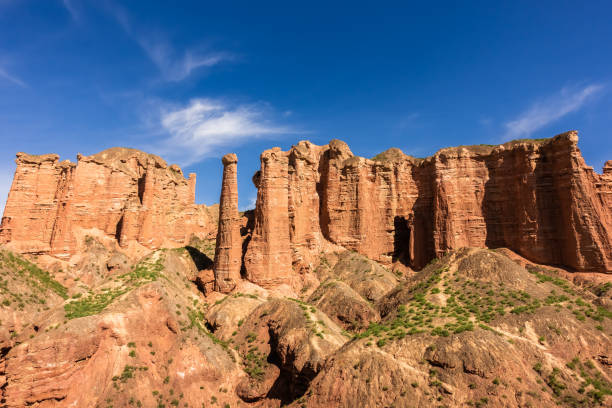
point(132, 196)
point(228, 251)
point(283, 345)
point(536, 197)
point(268, 257)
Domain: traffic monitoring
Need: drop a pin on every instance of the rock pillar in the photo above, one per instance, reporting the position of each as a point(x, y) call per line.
point(228, 251)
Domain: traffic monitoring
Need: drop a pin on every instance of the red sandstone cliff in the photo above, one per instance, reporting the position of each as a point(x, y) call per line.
point(536, 197)
point(130, 195)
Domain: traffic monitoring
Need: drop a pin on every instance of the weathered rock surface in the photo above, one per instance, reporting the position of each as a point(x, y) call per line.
point(536, 197)
point(368, 278)
point(268, 257)
point(340, 318)
point(344, 305)
point(132, 196)
point(228, 252)
point(283, 345)
point(228, 314)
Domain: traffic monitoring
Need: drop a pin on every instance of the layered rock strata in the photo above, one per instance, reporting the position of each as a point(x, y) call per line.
point(536, 197)
point(130, 195)
point(268, 257)
point(228, 251)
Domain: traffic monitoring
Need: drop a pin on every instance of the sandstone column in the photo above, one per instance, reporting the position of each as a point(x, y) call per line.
point(268, 257)
point(192, 187)
point(228, 251)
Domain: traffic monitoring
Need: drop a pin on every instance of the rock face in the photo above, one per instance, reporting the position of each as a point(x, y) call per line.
point(536, 197)
point(268, 257)
point(130, 195)
point(229, 243)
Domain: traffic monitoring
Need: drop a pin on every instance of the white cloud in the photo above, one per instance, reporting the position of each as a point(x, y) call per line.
point(250, 205)
point(199, 129)
point(550, 109)
point(12, 78)
point(173, 64)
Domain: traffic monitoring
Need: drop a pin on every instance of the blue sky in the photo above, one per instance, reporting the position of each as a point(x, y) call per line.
point(194, 81)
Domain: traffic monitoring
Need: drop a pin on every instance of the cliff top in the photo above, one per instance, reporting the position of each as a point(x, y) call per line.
point(485, 149)
point(339, 150)
point(116, 155)
point(36, 158)
point(395, 154)
point(128, 160)
point(122, 159)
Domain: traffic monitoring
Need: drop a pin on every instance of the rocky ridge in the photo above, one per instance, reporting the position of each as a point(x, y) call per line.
point(535, 197)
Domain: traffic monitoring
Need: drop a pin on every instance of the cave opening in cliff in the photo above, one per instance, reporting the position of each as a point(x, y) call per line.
point(401, 240)
point(141, 187)
point(119, 230)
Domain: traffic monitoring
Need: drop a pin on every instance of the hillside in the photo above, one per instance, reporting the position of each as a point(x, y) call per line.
point(472, 328)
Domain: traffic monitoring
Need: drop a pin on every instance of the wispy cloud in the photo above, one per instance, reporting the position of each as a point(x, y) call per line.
point(197, 130)
point(12, 78)
point(174, 65)
point(550, 109)
point(485, 121)
point(72, 10)
point(408, 120)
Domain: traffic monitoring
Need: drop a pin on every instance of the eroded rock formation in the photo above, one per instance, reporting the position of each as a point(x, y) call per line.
point(536, 197)
point(229, 243)
point(268, 257)
point(130, 195)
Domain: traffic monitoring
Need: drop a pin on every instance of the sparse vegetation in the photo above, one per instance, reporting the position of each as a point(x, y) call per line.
point(95, 302)
point(13, 269)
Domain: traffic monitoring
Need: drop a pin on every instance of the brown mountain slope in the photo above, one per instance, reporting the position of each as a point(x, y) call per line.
point(137, 339)
point(27, 295)
point(471, 328)
point(475, 329)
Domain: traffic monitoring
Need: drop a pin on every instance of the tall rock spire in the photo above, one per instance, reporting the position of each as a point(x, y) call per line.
point(228, 251)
